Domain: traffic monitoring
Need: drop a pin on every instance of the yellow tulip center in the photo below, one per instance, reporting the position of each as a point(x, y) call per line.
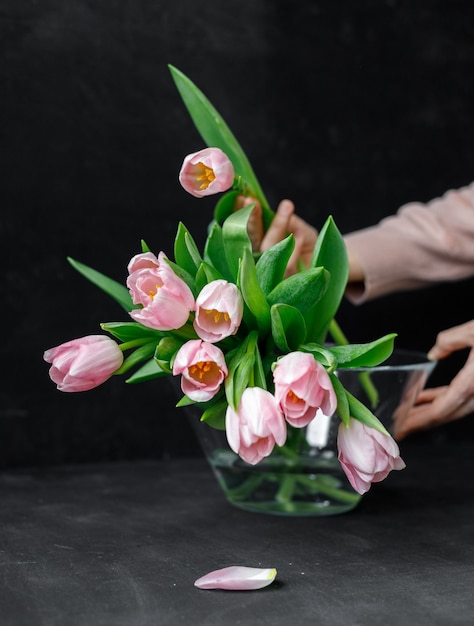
point(204, 371)
point(207, 175)
point(292, 397)
point(217, 315)
point(152, 294)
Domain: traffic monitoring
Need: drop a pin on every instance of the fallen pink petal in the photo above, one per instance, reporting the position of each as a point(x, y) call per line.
point(237, 578)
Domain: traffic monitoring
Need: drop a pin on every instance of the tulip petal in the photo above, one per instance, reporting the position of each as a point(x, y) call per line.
point(237, 578)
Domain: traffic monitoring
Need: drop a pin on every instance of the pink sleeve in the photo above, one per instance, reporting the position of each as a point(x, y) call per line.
point(421, 245)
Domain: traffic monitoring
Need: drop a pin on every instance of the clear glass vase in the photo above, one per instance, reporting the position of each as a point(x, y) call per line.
point(390, 389)
point(304, 477)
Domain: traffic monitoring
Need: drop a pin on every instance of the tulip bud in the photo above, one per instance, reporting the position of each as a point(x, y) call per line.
point(366, 455)
point(257, 425)
point(85, 363)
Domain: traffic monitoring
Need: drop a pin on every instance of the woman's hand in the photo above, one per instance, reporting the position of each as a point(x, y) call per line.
point(440, 405)
point(284, 222)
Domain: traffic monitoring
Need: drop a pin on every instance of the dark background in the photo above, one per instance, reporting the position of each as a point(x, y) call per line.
point(348, 108)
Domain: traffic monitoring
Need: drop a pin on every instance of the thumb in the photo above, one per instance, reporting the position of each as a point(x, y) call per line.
point(279, 227)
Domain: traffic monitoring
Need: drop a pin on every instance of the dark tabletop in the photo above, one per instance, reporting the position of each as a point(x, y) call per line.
point(122, 543)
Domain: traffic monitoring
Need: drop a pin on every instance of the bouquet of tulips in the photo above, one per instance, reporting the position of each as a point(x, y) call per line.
point(248, 343)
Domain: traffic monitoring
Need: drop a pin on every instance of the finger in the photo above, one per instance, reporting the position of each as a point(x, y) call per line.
point(420, 417)
point(429, 394)
point(402, 411)
point(255, 227)
point(279, 227)
point(453, 339)
point(243, 201)
point(448, 404)
point(426, 415)
point(293, 262)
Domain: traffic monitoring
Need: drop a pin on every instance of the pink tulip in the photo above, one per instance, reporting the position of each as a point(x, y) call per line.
point(258, 424)
point(237, 578)
point(219, 308)
point(85, 363)
point(166, 299)
point(145, 260)
point(302, 387)
point(203, 369)
point(366, 455)
point(206, 172)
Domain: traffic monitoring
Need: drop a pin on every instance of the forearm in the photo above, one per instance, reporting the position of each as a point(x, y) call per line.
point(422, 244)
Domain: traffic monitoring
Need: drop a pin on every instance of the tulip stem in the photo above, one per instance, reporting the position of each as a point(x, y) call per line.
point(289, 452)
point(134, 343)
point(286, 489)
point(337, 333)
point(369, 388)
point(245, 489)
point(318, 484)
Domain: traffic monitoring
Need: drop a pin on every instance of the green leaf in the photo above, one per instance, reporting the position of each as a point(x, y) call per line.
point(272, 264)
point(128, 331)
point(167, 347)
point(114, 289)
point(259, 379)
point(148, 371)
point(206, 274)
point(360, 412)
point(244, 369)
point(185, 401)
point(214, 415)
point(137, 356)
point(215, 132)
point(186, 252)
point(302, 290)
point(288, 327)
point(364, 354)
point(252, 294)
point(214, 252)
point(241, 376)
point(330, 252)
point(183, 274)
point(321, 354)
point(235, 238)
point(342, 401)
point(225, 206)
